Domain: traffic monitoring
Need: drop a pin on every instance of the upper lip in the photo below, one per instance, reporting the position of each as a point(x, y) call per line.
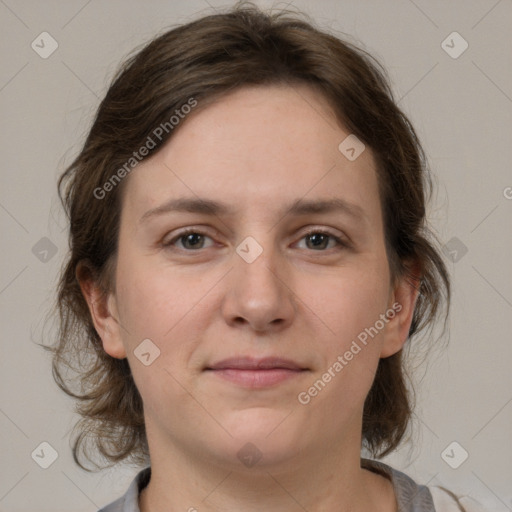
point(253, 363)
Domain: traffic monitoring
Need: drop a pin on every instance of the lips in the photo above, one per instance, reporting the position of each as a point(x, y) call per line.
point(249, 363)
point(256, 373)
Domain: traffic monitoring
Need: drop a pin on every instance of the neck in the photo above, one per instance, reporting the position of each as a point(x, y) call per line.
point(325, 479)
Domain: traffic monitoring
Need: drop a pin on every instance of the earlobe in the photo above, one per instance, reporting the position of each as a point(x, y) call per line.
point(103, 310)
point(402, 303)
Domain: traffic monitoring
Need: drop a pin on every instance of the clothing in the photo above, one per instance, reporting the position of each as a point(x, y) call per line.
point(410, 496)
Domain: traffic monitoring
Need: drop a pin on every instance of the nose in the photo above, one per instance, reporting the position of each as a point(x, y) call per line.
point(259, 293)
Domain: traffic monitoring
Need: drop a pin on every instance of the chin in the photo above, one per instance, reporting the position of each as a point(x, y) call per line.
point(264, 437)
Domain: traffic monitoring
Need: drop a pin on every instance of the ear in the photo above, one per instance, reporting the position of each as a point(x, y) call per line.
point(402, 302)
point(103, 309)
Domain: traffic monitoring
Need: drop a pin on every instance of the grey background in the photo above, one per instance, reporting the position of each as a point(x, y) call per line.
point(462, 110)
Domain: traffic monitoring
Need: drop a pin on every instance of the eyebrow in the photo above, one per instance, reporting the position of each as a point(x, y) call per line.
point(297, 208)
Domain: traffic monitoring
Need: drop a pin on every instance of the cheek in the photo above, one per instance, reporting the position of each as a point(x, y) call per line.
point(153, 309)
point(349, 301)
point(351, 306)
point(167, 306)
point(151, 301)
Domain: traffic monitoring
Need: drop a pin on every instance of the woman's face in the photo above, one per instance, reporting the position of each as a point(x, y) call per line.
point(259, 180)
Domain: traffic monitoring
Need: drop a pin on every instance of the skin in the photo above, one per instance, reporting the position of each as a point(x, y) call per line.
point(258, 150)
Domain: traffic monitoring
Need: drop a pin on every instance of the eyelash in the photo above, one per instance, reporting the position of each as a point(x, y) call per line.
point(341, 244)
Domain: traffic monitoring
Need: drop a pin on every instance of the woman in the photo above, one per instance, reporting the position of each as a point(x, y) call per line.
point(249, 256)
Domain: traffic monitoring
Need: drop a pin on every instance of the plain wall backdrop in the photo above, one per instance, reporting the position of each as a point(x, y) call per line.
point(461, 105)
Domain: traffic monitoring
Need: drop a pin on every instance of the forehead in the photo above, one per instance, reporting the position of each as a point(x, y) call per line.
point(256, 149)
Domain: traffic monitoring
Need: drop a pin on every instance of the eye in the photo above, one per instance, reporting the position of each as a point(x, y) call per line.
point(193, 240)
point(189, 239)
point(319, 240)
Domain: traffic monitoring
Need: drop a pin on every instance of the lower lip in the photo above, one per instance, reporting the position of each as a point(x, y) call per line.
point(256, 378)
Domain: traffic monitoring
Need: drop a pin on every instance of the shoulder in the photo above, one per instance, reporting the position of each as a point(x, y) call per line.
point(446, 501)
point(413, 497)
point(115, 506)
point(129, 502)
point(410, 496)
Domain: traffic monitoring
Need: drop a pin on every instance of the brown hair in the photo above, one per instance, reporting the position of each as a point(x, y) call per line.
point(203, 60)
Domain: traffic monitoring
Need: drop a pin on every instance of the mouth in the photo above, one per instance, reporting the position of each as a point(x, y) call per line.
point(256, 373)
